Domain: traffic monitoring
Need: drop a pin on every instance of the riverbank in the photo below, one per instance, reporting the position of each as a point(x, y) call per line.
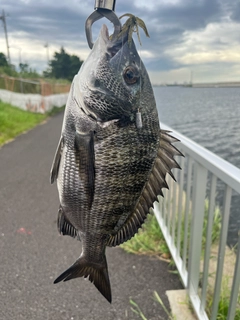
point(14, 121)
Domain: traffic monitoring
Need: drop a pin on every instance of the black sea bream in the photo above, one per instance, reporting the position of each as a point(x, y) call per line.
point(112, 158)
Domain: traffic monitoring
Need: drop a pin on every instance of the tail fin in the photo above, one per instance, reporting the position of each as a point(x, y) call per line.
point(96, 273)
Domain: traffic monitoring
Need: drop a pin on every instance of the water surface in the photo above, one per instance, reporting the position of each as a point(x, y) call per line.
point(210, 117)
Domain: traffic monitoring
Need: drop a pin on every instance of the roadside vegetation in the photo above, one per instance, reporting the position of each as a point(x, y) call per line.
point(223, 305)
point(55, 79)
point(62, 67)
point(137, 310)
point(14, 121)
point(150, 241)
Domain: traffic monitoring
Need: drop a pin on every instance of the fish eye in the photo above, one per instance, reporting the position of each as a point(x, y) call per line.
point(131, 75)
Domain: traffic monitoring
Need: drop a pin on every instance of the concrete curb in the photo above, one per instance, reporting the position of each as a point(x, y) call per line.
point(178, 300)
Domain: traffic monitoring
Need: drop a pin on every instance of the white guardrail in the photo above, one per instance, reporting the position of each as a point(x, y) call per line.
point(181, 215)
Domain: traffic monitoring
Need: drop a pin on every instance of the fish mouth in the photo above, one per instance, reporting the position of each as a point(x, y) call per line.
point(113, 44)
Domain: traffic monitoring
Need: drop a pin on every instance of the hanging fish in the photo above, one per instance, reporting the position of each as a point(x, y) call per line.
point(112, 157)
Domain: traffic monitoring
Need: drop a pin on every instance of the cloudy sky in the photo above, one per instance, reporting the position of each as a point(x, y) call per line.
point(198, 37)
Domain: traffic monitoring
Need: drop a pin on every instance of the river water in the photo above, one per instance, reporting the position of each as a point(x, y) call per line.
point(210, 117)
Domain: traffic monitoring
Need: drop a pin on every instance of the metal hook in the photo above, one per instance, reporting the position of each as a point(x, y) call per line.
point(103, 8)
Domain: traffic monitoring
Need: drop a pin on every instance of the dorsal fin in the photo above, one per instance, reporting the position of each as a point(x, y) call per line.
point(163, 164)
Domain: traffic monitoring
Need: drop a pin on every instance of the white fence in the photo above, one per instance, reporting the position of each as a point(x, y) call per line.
point(206, 183)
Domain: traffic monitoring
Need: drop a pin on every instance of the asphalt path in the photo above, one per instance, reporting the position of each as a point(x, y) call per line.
point(33, 254)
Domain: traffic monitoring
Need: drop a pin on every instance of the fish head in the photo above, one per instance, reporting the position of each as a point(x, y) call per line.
point(113, 80)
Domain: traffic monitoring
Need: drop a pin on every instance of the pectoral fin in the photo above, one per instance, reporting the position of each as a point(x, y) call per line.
point(84, 151)
point(56, 161)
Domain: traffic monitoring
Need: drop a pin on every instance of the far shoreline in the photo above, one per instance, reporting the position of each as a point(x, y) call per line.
point(201, 85)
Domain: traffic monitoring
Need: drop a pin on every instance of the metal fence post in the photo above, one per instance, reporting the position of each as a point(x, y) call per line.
point(199, 192)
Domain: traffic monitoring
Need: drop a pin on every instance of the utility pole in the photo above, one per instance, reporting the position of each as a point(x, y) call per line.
point(47, 47)
point(20, 55)
point(3, 18)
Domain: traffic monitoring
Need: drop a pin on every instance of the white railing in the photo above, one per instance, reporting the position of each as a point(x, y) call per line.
point(181, 215)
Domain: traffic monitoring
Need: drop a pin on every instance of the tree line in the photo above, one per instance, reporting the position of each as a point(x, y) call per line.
point(62, 66)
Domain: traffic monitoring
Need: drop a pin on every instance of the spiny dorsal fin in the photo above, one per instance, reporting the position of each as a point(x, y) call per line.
point(164, 163)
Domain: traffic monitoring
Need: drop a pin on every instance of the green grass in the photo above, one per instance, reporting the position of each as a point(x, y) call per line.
point(223, 305)
point(216, 228)
point(149, 240)
point(14, 121)
point(137, 310)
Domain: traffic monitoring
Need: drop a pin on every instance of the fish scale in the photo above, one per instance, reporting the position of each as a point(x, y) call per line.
point(109, 169)
point(132, 153)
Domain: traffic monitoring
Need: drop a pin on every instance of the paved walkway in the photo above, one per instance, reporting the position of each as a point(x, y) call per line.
point(33, 254)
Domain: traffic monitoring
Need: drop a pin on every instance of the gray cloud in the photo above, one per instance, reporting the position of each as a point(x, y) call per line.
point(235, 15)
point(43, 22)
point(63, 23)
point(190, 15)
